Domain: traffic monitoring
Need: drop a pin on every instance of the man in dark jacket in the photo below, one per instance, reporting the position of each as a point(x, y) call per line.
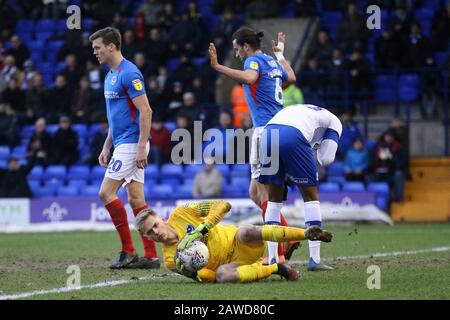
point(13, 181)
point(65, 144)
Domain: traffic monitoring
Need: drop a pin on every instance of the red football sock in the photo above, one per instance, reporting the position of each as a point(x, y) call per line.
point(119, 218)
point(149, 245)
point(283, 222)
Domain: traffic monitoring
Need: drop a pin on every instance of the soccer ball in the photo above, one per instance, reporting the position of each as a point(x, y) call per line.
point(195, 256)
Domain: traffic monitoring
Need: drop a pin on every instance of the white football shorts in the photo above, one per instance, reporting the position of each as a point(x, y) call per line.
point(123, 164)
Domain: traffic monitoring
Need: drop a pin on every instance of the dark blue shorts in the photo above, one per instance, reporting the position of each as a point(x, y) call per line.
point(296, 159)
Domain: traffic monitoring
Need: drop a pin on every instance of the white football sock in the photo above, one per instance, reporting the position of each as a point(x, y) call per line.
point(273, 217)
point(313, 216)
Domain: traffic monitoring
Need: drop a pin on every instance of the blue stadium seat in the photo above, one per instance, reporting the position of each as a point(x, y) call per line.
point(52, 128)
point(81, 129)
point(329, 187)
point(37, 173)
point(24, 25)
point(431, 4)
point(408, 94)
point(441, 57)
point(46, 67)
point(224, 169)
point(174, 182)
point(337, 179)
point(336, 169)
point(27, 131)
point(43, 191)
point(67, 191)
point(183, 192)
point(54, 183)
point(385, 95)
point(45, 25)
point(36, 57)
point(93, 128)
point(161, 191)
point(424, 14)
point(171, 171)
point(151, 172)
point(3, 164)
point(171, 126)
point(381, 188)
point(173, 64)
point(240, 170)
point(19, 152)
point(97, 173)
point(188, 182)
point(353, 186)
point(409, 81)
point(78, 183)
point(240, 182)
point(55, 171)
point(191, 170)
point(34, 184)
point(89, 191)
point(230, 191)
point(78, 172)
point(43, 35)
point(36, 46)
point(87, 23)
point(55, 45)
point(4, 152)
point(385, 81)
point(25, 36)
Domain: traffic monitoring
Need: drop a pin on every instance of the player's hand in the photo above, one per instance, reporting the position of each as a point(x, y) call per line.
point(213, 55)
point(103, 158)
point(192, 236)
point(181, 269)
point(141, 158)
point(279, 47)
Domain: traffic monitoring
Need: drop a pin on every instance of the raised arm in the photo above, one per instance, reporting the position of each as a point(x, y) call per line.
point(278, 50)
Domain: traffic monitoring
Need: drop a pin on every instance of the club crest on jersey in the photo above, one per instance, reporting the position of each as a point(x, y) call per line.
point(113, 80)
point(137, 84)
point(254, 65)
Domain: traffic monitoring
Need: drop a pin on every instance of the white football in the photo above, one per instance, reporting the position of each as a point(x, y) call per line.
point(195, 256)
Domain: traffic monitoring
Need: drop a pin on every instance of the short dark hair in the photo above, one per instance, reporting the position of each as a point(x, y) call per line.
point(108, 35)
point(249, 36)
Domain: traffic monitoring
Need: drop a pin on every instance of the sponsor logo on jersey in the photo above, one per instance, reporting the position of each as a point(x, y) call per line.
point(254, 65)
point(137, 84)
point(111, 95)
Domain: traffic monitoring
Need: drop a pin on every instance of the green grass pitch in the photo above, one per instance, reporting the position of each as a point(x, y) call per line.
point(409, 268)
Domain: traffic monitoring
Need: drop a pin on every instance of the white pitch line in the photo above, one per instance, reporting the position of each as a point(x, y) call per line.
point(90, 286)
point(380, 255)
point(156, 276)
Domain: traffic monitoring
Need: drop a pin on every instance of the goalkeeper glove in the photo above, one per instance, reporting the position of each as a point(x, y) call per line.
point(192, 236)
point(182, 270)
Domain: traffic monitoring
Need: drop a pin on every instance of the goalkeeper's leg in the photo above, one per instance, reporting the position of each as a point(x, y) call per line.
point(253, 272)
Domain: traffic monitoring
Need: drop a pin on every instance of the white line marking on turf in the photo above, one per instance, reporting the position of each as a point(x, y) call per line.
point(380, 255)
point(156, 276)
point(90, 286)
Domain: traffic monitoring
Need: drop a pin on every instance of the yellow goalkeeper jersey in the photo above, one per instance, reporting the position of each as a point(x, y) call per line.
point(220, 239)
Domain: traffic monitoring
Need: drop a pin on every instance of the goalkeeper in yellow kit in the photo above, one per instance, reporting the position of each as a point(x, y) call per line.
point(236, 253)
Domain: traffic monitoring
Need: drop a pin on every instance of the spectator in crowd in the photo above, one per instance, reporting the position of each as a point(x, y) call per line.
point(8, 20)
point(85, 103)
point(353, 32)
point(292, 95)
point(399, 130)
point(321, 48)
point(441, 29)
point(14, 97)
point(129, 47)
point(36, 99)
point(40, 144)
point(156, 48)
point(66, 139)
point(336, 69)
point(401, 20)
point(119, 22)
point(95, 75)
point(72, 72)
point(390, 163)
point(208, 182)
point(359, 74)
point(156, 99)
point(356, 162)
point(140, 30)
point(162, 77)
point(146, 68)
point(26, 76)
point(8, 72)
point(430, 81)
point(202, 93)
point(168, 17)
point(185, 72)
point(160, 144)
point(350, 132)
point(19, 51)
point(174, 96)
point(387, 50)
point(258, 9)
point(151, 9)
point(7, 126)
point(228, 24)
point(228, 145)
point(419, 47)
point(190, 108)
point(239, 105)
point(311, 79)
point(13, 181)
point(184, 147)
point(59, 100)
point(96, 145)
point(185, 36)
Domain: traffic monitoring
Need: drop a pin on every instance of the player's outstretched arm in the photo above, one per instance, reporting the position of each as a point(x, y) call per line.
point(103, 158)
point(278, 50)
point(145, 120)
point(247, 76)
